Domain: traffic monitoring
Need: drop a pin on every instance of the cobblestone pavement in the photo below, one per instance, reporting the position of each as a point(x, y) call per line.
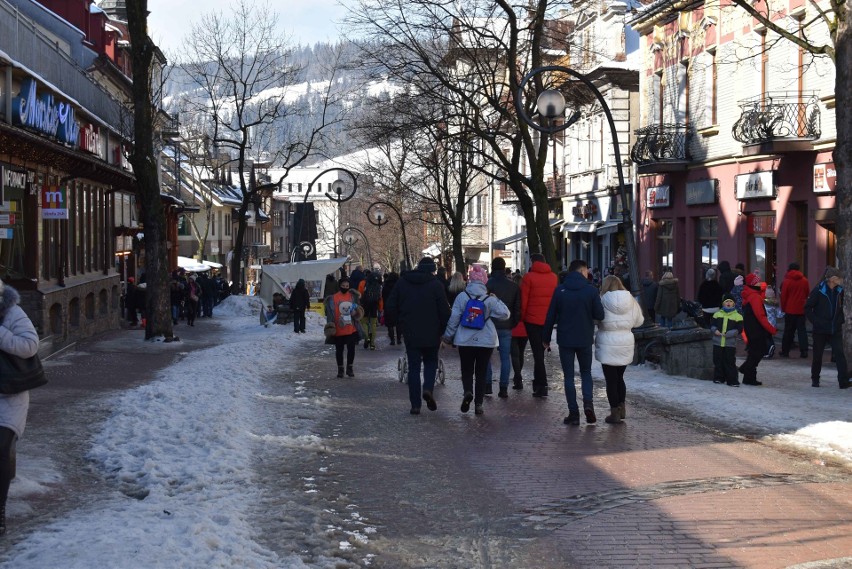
point(512, 488)
point(517, 488)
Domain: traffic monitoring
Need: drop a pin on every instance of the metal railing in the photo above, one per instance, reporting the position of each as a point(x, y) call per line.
point(660, 143)
point(25, 44)
point(776, 116)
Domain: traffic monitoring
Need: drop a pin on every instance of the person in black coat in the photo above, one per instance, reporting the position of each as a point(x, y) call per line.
point(824, 308)
point(418, 304)
point(510, 293)
point(300, 300)
point(726, 277)
point(709, 296)
point(394, 331)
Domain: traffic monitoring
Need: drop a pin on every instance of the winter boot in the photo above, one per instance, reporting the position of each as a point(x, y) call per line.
point(517, 383)
point(589, 411)
point(339, 371)
point(349, 371)
point(614, 415)
point(3, 521)
point(623, 410)
point(503, 393)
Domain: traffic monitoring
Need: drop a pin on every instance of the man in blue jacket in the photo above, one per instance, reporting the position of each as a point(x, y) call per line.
point(418, 304)
point(574, 308)
point(824, 308)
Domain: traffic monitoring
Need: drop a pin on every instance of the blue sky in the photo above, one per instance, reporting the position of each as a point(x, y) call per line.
point(308, 21)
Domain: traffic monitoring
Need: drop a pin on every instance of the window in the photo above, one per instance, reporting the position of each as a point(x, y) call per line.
point(300, 188)
point(213, 224)
point(278, 218)
point(473, 210)
point(665, 246)
point(656, 98)
point(290, 187)
point(227, 224)
point(681, 113)
point(708, 243)
point(183, 226)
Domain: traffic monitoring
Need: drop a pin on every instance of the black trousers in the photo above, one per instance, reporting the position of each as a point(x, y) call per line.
point(794, 324)
point(349, 341)
point(725, 365)
point(836, 342)
point(535, 333)
point(753, 358)
point(474, 363)
point(7, 463)
point(616, 390)
point(519, 346)
point(395, 333)
point(298, 320)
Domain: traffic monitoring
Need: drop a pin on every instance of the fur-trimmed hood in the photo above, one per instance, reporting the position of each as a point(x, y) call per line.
point(8, 298)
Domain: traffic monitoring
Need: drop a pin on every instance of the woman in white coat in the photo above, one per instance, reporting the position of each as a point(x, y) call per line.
point(475, 344)
point(614, 343)
point(17, 337)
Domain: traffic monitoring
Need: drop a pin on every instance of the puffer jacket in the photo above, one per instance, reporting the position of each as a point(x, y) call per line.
point(614, 342)
point(510, 293)
point(418, 305)
point(757, 327)
point(536, 291)
point(730, 325)
point(18, 337)
point(795, 289)
point(668, 298)
point(575, 306)
point(494, 310)
point(824, 308)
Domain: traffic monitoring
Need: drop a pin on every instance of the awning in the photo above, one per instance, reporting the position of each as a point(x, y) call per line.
point(213, 264)
point(191, 265)
point(501, 243)
point(585, 227)
point(609, 227)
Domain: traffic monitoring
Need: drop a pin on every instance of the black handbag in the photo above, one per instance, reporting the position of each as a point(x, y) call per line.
point(20, 374)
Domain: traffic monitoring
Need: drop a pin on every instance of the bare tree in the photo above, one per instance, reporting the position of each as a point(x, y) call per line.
point(145, 168)
point(478, 51)
point(240, 66)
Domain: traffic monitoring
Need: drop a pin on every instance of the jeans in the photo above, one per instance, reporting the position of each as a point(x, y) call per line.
point(474, 362)
point(794, 324)
point(535, 333)
point(584, 358)
point(175, 313)
point(429, 357)
point(504, 350)
point(836, 342)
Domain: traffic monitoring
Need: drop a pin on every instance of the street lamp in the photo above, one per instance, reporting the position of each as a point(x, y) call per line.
point(379, 218)
point(339, 193)
point(349, 239)
point(551, 105)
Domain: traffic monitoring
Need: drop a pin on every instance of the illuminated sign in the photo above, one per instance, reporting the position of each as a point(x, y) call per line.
point(53, 202)
point(44, 115)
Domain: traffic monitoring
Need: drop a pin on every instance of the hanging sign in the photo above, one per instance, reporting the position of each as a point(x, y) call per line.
point(658, 196)
point(53, 202)
point(825, 178)
point(702, 192)
point(755, 185)
point(44, 115)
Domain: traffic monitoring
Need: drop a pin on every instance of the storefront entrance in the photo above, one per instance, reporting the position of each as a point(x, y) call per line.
point(762, 246)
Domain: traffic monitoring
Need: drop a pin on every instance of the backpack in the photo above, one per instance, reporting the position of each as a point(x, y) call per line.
point(473, 315)
point(372, 293)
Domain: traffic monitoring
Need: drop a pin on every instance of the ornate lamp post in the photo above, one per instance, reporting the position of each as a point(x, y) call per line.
point(551, 105)
point(348, 237)
point(379, 218)
point(339, 193)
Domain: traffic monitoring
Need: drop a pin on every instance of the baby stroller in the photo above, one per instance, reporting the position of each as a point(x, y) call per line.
point(402, 367)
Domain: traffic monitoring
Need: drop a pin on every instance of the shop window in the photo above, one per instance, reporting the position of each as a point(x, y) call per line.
point(55, 315)
point(665, 245)
point(74, 313)
point(708, 243)
point(12, 249)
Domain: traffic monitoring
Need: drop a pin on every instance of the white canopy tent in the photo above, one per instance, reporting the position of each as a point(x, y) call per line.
point(282, 277)
point(192, 266)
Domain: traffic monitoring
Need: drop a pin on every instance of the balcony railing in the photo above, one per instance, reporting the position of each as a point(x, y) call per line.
point(777, 117)
point(659, 143)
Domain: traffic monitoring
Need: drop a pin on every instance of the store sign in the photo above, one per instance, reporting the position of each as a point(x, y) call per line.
point(825, 178)
point(90, 140)
point(658, 196)
point(761, 225)
point(53, 202)
point(587, 211)
point(703, 192)
point(121, 151)
point(755, 186)
point(44, 115)
point(13, 179)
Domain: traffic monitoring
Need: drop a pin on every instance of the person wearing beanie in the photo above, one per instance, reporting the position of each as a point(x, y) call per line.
point(795, 289)
point(726, 326)
point(510, 294)
point(757, 328)
point(824, 308)
point(709, 296)
point(418, 306)
point(667, 304)
point(471, 328)
point(343, 311)
point(18, 337)
point(536, 291)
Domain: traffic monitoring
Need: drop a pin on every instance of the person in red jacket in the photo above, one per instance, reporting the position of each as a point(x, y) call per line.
point(536, 291)
point(757, 327)
point(794, 292)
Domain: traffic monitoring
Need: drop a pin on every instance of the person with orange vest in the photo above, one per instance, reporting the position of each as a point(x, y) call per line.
point(536, 291)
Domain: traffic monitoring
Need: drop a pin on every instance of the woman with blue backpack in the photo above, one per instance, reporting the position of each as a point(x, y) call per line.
point(472, 330)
